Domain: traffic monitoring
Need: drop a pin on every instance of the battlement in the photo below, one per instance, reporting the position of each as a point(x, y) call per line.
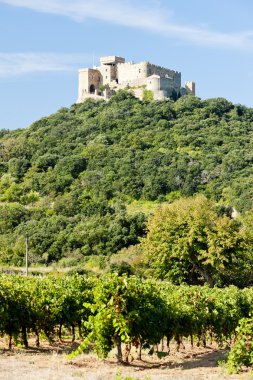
point(111, 60)
point(115, 74)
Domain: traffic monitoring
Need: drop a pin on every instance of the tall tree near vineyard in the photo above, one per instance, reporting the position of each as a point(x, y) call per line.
point(189, 241)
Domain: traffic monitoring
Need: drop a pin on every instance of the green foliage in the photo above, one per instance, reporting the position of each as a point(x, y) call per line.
point(121, 268)
point(119, 309)
point(41, 304)
point(241, 353)
point(17, 167)
point(189, 236)
point(11, 215)
point(79, 164)
point(147, 95)
point(126, 310)
point(175, 95)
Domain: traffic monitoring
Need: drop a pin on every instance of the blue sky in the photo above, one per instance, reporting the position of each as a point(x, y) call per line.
point(44, 42)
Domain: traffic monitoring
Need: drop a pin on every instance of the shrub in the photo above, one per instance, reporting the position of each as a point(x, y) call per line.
point(242, 352)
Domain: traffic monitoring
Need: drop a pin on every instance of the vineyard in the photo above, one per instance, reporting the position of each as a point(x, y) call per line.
point(123, 312)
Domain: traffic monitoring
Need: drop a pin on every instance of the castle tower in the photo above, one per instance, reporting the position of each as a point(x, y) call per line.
point(108, 68)
point(88, 84)
point(190, 88)
point(111, 60)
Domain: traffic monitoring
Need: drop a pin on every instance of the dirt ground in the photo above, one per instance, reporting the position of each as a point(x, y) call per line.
point(50, 363)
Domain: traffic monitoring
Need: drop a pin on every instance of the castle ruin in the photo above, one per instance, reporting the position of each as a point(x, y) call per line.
point(115, 74)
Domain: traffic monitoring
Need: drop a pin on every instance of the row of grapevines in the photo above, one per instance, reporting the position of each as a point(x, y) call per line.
point(142, 313)
point(115, 310)
point(42, 305)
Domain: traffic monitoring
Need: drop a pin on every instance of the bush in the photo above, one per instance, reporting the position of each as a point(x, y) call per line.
point(147, 95)
point(242, 352)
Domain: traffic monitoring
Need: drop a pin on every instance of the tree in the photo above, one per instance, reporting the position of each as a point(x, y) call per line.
point(147, 95)
point(18, 167)
point(78, 162)
point(189, 239)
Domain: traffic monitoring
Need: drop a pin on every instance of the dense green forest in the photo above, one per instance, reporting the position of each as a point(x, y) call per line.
point(83, 182)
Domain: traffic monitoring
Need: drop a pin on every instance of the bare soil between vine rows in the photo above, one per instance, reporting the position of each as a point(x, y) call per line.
point(50, 363)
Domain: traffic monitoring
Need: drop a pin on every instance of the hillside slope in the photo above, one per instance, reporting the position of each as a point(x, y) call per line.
point(68, 180)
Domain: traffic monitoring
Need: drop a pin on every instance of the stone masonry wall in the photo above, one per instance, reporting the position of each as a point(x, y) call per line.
point(88, 77)
point(108, 73)
point(119, 75)
point(127, 72)
point(175, 76)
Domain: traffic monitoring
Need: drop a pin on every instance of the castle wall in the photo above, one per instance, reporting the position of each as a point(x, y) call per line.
point(160, 95)
point(175, 76)
point(153, 83)
point(156, 83)
point(108, 73)
point(157, 94)
point(190, 88)
point(83, 83)
point(127, 72)
point(111, 60)
point(134, 83)
point(117, 74)
point(87, 79)
point(167, 84)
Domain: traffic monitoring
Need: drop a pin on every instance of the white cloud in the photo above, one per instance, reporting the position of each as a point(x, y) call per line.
point(12, 64)
point(151, 17)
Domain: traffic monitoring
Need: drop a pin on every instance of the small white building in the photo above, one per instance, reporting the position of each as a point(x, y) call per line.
point(115, 74)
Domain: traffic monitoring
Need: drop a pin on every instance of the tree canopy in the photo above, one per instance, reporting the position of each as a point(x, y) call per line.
point(188, 240)
point(70, 179)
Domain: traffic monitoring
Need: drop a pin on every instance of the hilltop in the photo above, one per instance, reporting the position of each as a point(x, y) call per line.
point(82, 182)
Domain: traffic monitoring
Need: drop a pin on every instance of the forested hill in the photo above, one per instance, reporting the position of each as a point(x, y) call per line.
point(68, 180)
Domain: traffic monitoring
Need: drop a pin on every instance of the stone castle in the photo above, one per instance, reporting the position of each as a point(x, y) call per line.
point(115, 74)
